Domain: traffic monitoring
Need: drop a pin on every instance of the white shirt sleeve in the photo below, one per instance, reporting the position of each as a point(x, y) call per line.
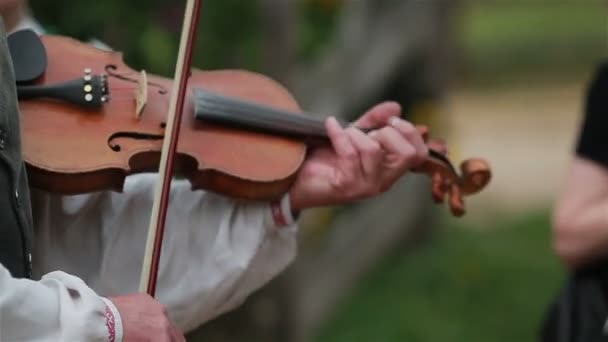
point(59, 307)
point(216, 251)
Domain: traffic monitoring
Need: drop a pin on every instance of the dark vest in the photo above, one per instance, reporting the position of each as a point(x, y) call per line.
point(16, 232)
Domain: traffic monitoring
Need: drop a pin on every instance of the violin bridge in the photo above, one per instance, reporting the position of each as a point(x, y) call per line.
point(141, 93)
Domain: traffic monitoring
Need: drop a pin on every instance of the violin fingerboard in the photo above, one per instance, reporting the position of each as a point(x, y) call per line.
point(226, 110)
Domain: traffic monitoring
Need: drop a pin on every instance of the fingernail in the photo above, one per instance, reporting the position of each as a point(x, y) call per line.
point(394, 121)
point(332, 121)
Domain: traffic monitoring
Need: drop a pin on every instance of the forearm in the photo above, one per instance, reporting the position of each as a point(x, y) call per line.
point(59, 307)
point(235, 249)
point(581, 216)
point(215, 250)
point(581, 232)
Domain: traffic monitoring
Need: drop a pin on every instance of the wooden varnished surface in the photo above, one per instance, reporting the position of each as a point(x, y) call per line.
point(63, 139)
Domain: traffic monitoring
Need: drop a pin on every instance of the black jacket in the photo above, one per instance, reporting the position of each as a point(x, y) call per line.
point(16, 232)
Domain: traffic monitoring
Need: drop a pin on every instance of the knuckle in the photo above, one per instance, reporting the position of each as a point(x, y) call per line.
point(164, 311)
point(351, 131)
point(354, 193)
point(409, 155)
point(351, 155)
point(421, 155)
point(371, 149)
point(376, 147)
point(349, 195)
point(386, 130)
point(167, 327)
point(349, 182)
point(343, 184)
point(410, 133)
point(385, 187)
point(163, 326)
point(404, 126)
point(368, 190)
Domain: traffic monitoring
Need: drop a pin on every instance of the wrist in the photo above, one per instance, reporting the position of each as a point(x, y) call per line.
point(113, 322)
point(283, 213)
point(296, 204)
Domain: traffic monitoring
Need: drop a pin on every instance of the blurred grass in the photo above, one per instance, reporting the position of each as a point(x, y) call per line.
point(507, 40)
point(466, 285)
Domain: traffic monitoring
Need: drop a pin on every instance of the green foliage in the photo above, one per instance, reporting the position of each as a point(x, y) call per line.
point(471, 284)
point(504, 40)
point(147, 32)
point(315, 27)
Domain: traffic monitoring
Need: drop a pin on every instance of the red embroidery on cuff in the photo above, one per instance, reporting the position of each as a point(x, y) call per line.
point(110, 324)
point(277, 214)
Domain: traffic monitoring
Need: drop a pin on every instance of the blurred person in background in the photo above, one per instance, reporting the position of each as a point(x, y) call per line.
point(97, 240)
point(580, 228)
point(581, 214)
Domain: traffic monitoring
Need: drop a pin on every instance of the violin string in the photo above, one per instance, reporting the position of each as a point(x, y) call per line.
point(126, 94)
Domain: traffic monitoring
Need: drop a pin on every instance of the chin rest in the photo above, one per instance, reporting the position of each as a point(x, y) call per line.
point(28, 55)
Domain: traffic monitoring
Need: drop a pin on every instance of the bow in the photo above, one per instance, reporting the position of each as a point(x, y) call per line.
point(149, 273)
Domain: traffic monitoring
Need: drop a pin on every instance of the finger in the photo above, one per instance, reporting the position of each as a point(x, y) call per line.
point(176, 335)
point(400, 155)
point(456, 201)
point(397, 149)
point(438, 145)
point(370, 152)
point(438, 188)
point(378, 115)
point(424, 131)
point(339, 139)
point(412, 135)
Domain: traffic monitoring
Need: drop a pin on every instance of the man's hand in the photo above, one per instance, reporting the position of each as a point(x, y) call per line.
point(145, 319)
point(356, 165)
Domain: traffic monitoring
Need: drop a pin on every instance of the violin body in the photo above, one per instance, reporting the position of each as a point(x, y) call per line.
point(70, 150)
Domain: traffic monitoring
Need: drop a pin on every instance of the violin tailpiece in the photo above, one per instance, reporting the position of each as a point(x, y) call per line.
point(90, 91)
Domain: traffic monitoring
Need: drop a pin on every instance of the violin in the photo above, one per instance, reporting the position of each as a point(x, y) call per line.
point(89, 120)
point(245, 135)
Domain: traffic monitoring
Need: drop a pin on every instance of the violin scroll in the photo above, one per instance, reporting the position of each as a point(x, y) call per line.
point(475, 175)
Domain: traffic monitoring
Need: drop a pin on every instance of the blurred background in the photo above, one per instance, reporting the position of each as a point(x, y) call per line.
point(502, 80)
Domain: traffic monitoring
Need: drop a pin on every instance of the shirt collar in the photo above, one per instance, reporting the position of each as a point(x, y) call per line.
point(28, 22)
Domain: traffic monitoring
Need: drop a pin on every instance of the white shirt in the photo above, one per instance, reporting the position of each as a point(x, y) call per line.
point(216, 251)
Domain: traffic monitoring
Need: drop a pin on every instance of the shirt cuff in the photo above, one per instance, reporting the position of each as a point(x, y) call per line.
point(113, 322)
point(281, 213)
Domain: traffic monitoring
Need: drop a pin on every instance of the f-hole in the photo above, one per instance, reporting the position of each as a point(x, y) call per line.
point(131, 135)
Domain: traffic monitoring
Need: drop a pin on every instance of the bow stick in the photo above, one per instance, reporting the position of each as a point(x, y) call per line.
point(156, 229)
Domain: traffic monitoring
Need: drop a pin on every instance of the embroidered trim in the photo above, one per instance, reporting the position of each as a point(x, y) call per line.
point(277, 214)
point(110, 324)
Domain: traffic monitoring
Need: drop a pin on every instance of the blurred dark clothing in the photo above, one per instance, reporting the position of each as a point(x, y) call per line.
point(579, 313)
point(15, 212)
point(593, 139)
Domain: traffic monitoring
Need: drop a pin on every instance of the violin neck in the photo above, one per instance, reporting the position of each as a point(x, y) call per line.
point(212, 107)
